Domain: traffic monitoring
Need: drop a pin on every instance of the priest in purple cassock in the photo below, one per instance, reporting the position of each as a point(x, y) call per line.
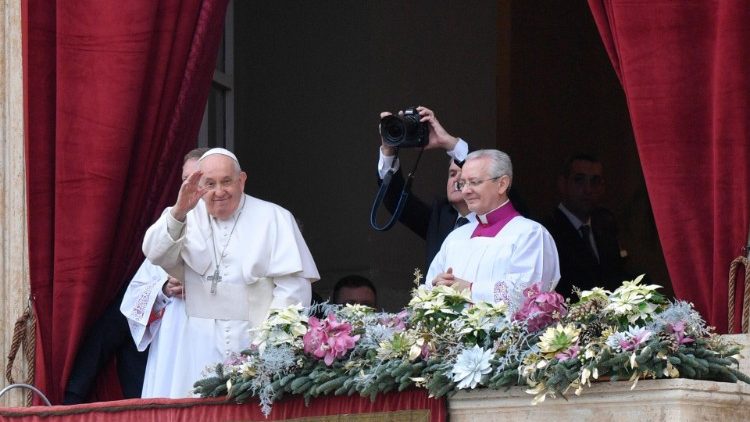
point(501, 253)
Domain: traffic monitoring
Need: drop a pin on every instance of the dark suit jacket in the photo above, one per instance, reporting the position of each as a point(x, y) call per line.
point(431, 222)
point(577, 266)
point(108, 337)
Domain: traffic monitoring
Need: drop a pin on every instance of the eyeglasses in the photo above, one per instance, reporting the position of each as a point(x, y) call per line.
point(461, 184)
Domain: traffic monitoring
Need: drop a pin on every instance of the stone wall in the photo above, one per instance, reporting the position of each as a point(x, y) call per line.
point(14, 273)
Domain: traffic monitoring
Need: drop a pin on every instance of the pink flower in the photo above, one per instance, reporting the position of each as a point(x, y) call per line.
point(425, 351)
point(571, 353)
point(328, 339)
point(678, 329)
point(397, 321)
point(540, 309)
point(634, 338)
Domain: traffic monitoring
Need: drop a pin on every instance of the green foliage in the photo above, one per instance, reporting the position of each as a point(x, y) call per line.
point(625, 335)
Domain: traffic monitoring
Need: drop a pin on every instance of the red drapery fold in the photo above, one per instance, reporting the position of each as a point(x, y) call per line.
point(115, 92)
point(683, 66)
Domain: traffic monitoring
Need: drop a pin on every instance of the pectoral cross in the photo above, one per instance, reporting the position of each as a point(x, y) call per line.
point(214, 279)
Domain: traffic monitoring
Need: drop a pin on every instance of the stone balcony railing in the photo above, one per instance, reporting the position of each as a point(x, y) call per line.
point(651, 400)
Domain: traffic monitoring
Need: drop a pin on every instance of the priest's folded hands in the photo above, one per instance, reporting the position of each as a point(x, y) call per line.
point(448, 279)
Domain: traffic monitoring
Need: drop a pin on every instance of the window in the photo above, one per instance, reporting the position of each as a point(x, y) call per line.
point(217, 128)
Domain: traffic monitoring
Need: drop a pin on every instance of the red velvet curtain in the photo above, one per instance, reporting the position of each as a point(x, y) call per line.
point(115, 91)
point(684, 68)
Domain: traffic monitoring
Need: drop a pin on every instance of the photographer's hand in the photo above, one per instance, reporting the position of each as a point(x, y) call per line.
point(439, 137)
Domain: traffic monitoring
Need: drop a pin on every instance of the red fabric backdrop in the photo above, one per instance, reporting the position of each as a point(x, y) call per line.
point(410, 405)
point(684, 68)
point(115, 91)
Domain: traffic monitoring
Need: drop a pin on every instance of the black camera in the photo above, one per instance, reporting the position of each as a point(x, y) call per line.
point(405, 131)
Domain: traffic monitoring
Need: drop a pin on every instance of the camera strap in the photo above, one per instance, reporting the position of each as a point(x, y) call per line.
point(401, 200)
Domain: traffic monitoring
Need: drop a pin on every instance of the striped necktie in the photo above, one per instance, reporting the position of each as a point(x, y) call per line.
point(586, 235)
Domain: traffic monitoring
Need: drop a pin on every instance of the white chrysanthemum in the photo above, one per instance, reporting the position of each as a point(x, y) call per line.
point(470, 365)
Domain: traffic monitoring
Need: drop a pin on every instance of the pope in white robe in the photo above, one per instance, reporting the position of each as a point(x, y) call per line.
point(501, 253)
point(239, 256)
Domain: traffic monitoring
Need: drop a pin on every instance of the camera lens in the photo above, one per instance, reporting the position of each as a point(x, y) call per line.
point(392, 129)
point(404, 131)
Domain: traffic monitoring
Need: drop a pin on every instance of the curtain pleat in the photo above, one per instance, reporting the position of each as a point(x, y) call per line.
point(683, 66)
point(115, 93)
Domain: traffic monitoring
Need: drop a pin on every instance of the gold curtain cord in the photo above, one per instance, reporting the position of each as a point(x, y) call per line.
point(746, 297)
point(24, 335)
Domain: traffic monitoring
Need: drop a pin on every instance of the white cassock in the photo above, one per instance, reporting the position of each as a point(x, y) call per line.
point(266, 264)
point(500, 267)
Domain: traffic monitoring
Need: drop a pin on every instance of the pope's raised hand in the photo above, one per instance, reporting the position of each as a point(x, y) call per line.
point(190, 194)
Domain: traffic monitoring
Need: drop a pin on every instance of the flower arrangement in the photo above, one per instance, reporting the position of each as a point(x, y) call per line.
point(443, 342)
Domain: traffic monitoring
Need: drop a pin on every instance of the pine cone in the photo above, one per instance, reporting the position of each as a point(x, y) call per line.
point(584, 311)
point(672, 344)
point(591, 332)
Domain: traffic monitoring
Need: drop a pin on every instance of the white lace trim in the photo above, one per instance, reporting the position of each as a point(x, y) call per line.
point(500, 292)
point(141, 304)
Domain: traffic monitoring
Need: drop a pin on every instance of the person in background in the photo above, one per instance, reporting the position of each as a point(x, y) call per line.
point(354, 289)
point(434, 221)
point(584, 232)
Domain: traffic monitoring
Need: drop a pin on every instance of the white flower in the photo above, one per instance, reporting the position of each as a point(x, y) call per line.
point(632, 300)
point(481, 316)
point(283, 326)
point(629, 340)
point(470, 365)
point(594, 293)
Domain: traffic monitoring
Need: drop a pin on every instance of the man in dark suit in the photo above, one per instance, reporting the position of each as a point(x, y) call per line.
point(434, 221)
point(108, 337)
point(585, 234)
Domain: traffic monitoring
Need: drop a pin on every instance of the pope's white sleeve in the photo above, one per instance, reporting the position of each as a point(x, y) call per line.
point(291, 290)
point(163, 242)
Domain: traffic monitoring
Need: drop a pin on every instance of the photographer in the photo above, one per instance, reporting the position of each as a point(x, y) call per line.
point(430, 222)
